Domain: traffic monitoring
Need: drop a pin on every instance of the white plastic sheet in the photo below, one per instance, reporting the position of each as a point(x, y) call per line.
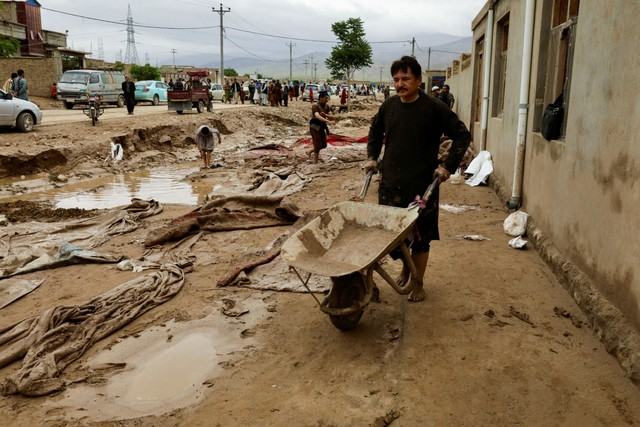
point(480, 168)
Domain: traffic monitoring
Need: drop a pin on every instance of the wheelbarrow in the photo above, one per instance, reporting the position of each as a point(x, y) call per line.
point(347, 244)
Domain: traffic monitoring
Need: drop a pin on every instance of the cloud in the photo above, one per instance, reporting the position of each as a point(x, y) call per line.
point(384, 20)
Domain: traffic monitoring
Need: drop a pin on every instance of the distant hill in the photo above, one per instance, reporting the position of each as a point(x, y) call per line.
point(383, 55)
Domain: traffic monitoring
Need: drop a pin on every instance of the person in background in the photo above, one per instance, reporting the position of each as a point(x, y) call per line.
point(8, 85)
point(447, 97)
point(318, 128)
point(20, 86)
point(129, 91)
point(285, 95)
point(252, 91)
point(235, 91)
point(205, 136)
point(435, 91)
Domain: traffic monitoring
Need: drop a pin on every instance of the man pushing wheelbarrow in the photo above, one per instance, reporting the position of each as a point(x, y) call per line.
point(412, 124)
point(348, 242)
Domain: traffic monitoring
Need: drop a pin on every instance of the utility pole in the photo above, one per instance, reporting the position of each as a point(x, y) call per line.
point(221, 12)
point(306, 64)
point(380, 82)
point(413, 47)
point(291, 45)
point(315, 71)
point(429, 59)
point(173, 52)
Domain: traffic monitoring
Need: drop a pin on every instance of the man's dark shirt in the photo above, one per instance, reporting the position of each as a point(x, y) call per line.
point(129, 89)
point(411, 134)
point(447, 98)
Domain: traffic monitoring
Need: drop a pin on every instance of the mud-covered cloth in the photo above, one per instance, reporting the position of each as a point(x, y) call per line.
point(48, 343)
point(240, 212)
point(411, 135)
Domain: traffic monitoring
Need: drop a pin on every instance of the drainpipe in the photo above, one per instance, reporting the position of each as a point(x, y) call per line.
point(488, 54)
point(523, 108)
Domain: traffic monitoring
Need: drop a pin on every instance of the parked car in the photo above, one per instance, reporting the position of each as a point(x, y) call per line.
point(151, 91)
point(22, 114)
point(217, 92)
point(308, 88)
point(75, 86)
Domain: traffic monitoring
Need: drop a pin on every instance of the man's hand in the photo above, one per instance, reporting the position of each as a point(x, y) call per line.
point(442, 172)
point(370, 166)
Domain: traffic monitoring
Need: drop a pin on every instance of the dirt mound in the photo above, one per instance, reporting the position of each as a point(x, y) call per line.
point(23, 211)
point(270, 119)
point(22, 164)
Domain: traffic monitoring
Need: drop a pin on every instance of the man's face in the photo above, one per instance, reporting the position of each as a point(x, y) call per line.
point(323, 99)
point(445, 90)
point(406, 84)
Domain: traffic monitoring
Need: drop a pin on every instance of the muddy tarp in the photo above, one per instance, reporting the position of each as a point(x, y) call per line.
point(88, 233)
point(269, 184)
point(56, 254)
point(240, 212)
point(48, 343)
point(336, 140)
point(13, 289)
point(276, 276)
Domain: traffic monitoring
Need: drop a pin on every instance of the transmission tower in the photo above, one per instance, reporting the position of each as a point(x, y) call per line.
point(131, 57)
point(100, 48)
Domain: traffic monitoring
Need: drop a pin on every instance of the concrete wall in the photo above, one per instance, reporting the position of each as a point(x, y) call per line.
point(583, 191)
point(39, 72)
point(461, 85)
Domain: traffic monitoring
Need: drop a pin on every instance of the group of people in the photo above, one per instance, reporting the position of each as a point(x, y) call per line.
point(444, 95)
point(17, 85)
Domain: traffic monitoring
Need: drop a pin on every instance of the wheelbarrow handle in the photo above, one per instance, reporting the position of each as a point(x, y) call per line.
point(418, 204)
point(365, 185)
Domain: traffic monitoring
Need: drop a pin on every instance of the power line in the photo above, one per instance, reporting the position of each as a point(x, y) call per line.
point(125, 23)
point(249, 52)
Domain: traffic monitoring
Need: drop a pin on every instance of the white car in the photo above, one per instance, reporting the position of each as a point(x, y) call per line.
point(217, 92)
point(22, 114)
point(309, 87)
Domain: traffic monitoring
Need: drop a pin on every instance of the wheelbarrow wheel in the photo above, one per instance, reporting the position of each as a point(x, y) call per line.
point(347, 290)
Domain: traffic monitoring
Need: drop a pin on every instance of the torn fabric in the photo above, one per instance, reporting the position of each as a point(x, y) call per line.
point(48, 343)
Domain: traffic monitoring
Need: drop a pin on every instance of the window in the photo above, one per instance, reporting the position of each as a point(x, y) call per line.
point(556, 57)
point(95, 78)
point(500, 70)
point(478, 79)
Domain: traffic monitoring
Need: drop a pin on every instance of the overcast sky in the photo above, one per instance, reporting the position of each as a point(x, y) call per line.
point(385, 20)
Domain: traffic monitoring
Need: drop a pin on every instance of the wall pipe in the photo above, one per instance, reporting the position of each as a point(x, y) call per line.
point(523, 108)
point(486, 74)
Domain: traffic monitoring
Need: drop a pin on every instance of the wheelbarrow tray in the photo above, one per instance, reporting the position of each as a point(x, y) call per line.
point(347, 238)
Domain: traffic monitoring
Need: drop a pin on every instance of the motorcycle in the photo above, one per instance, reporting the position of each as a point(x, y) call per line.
point(93, 110)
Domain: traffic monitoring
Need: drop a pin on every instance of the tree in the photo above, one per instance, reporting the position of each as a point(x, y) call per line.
point(145, 72)
point(118, 66)
point(353, 51)
point(230, 72)
point(8, 47)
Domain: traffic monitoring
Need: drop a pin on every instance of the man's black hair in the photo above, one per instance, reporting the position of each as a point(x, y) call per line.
point(447, 86)
point(21, 72)
point(205, 131)
point(407, 63)
point(14, 75)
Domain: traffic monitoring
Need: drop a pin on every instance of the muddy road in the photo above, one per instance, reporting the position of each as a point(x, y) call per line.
point(60, 116)
point(497, 342)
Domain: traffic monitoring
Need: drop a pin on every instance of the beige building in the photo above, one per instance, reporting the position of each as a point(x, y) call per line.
point(583, 187)
point(43, 54)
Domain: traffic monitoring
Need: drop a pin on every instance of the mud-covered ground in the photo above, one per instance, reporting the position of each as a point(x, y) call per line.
point(485, 348)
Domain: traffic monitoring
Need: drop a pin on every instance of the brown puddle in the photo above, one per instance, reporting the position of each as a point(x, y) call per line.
point(163, 185)
point(167, 368)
